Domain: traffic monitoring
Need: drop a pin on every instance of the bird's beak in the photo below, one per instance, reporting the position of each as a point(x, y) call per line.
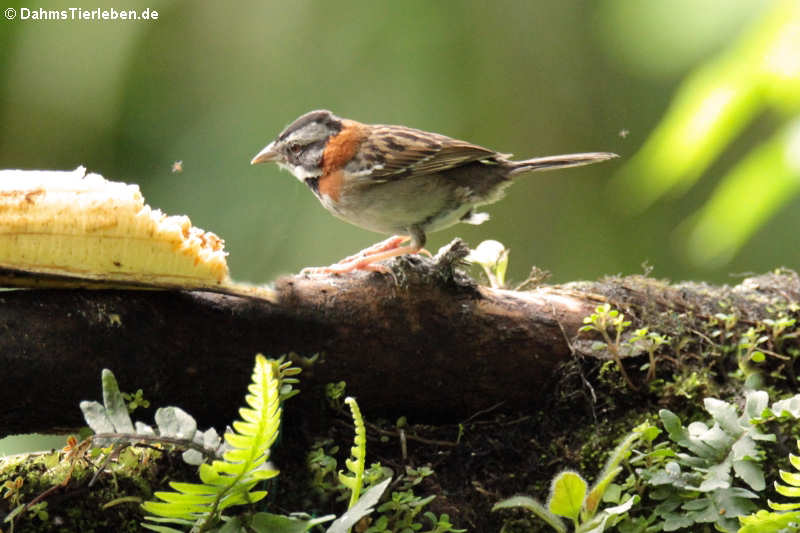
point(266, 155)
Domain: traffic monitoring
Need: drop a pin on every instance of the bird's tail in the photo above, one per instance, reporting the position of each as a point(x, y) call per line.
point(560, 161)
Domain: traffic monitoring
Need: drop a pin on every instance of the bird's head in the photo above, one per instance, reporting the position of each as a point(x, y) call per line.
point(300, 145)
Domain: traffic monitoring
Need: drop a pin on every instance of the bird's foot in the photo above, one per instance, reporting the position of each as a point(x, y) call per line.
point(368, 258)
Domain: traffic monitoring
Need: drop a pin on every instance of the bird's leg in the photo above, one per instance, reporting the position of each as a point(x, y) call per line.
point(367, 258)
point(389, 244)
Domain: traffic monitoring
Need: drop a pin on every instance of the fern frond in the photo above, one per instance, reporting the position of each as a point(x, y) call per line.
point(230, 481)
point(358, 453)
point(792, 489)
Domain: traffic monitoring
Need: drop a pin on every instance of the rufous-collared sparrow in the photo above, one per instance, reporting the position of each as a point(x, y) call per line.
point(397, 180)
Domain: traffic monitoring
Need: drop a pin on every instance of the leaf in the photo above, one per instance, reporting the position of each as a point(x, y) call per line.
point(526, 502)
point(143, 429)
point(766, 522)
point(274, 523)
point(567, 494)
point(755, 403)
point(744, 448)
point(362, 508)
point(96, 417)
point(783, 506)
point(787, 407)
point(234, 525)
point(725, 415)
point(623, 507)
point(718, 477)
point(176, 423)
point(226, 483)
point(173, 509)
point(790, 478)
point(716, 438)
point(750, 472)
point(675, 521)
point(116, 408)
point(678, 434)
point(610, 471)
point(791, 492)
point(650, 433)
point(596, 525)
point(188, 499)
point(192, 457)
point(356, 463)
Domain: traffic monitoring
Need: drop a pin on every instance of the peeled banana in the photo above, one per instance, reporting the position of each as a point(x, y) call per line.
point(79, 225)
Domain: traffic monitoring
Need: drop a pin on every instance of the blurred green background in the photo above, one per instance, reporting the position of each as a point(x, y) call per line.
point(210, 84)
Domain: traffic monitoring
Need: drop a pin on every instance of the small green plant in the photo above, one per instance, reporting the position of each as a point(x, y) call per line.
point(602, 320)
point(322, 465)
point(403, 512)
point(229, 470)
point(708, 472)
point(650, 341)
point(699, 480)
point(231, 480)
point(12, 488)
point(571, 497)
point(335, 393)
point(135, 400)
point(358, 453)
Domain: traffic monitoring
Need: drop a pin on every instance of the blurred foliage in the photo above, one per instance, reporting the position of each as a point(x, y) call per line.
point(210, 84)
point(758, 73)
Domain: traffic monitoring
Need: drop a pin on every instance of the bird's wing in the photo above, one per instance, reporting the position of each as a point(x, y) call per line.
point(397, 151)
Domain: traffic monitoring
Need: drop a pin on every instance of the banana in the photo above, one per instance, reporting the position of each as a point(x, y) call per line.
point(79, 225)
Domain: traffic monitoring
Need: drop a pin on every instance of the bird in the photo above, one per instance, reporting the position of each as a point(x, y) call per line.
point(398, 180)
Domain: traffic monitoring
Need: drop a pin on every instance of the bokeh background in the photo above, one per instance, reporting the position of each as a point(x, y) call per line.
point(209, 84)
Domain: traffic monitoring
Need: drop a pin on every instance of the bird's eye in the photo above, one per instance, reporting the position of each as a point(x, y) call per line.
point(295, 148)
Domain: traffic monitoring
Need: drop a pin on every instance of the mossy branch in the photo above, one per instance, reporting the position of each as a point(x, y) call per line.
point(463, 347)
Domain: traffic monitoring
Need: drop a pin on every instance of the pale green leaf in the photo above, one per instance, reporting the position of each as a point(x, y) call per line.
point(623, 507)
point(567, 494)
point(96, 417)
point(176, 423)
point(115, 405)
point(751, 473)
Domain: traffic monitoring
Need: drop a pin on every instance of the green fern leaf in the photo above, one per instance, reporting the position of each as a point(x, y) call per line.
point(783, 506)
point(790, 478)
point(794, 459)
point(230, 481)
point(791, 492)
point(174, 510)
point(189, 488)
point(355, 464)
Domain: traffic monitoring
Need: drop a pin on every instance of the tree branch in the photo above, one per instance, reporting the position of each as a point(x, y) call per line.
point(428, 342)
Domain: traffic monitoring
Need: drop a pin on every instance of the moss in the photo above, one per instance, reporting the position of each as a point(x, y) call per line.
point(75, 505)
